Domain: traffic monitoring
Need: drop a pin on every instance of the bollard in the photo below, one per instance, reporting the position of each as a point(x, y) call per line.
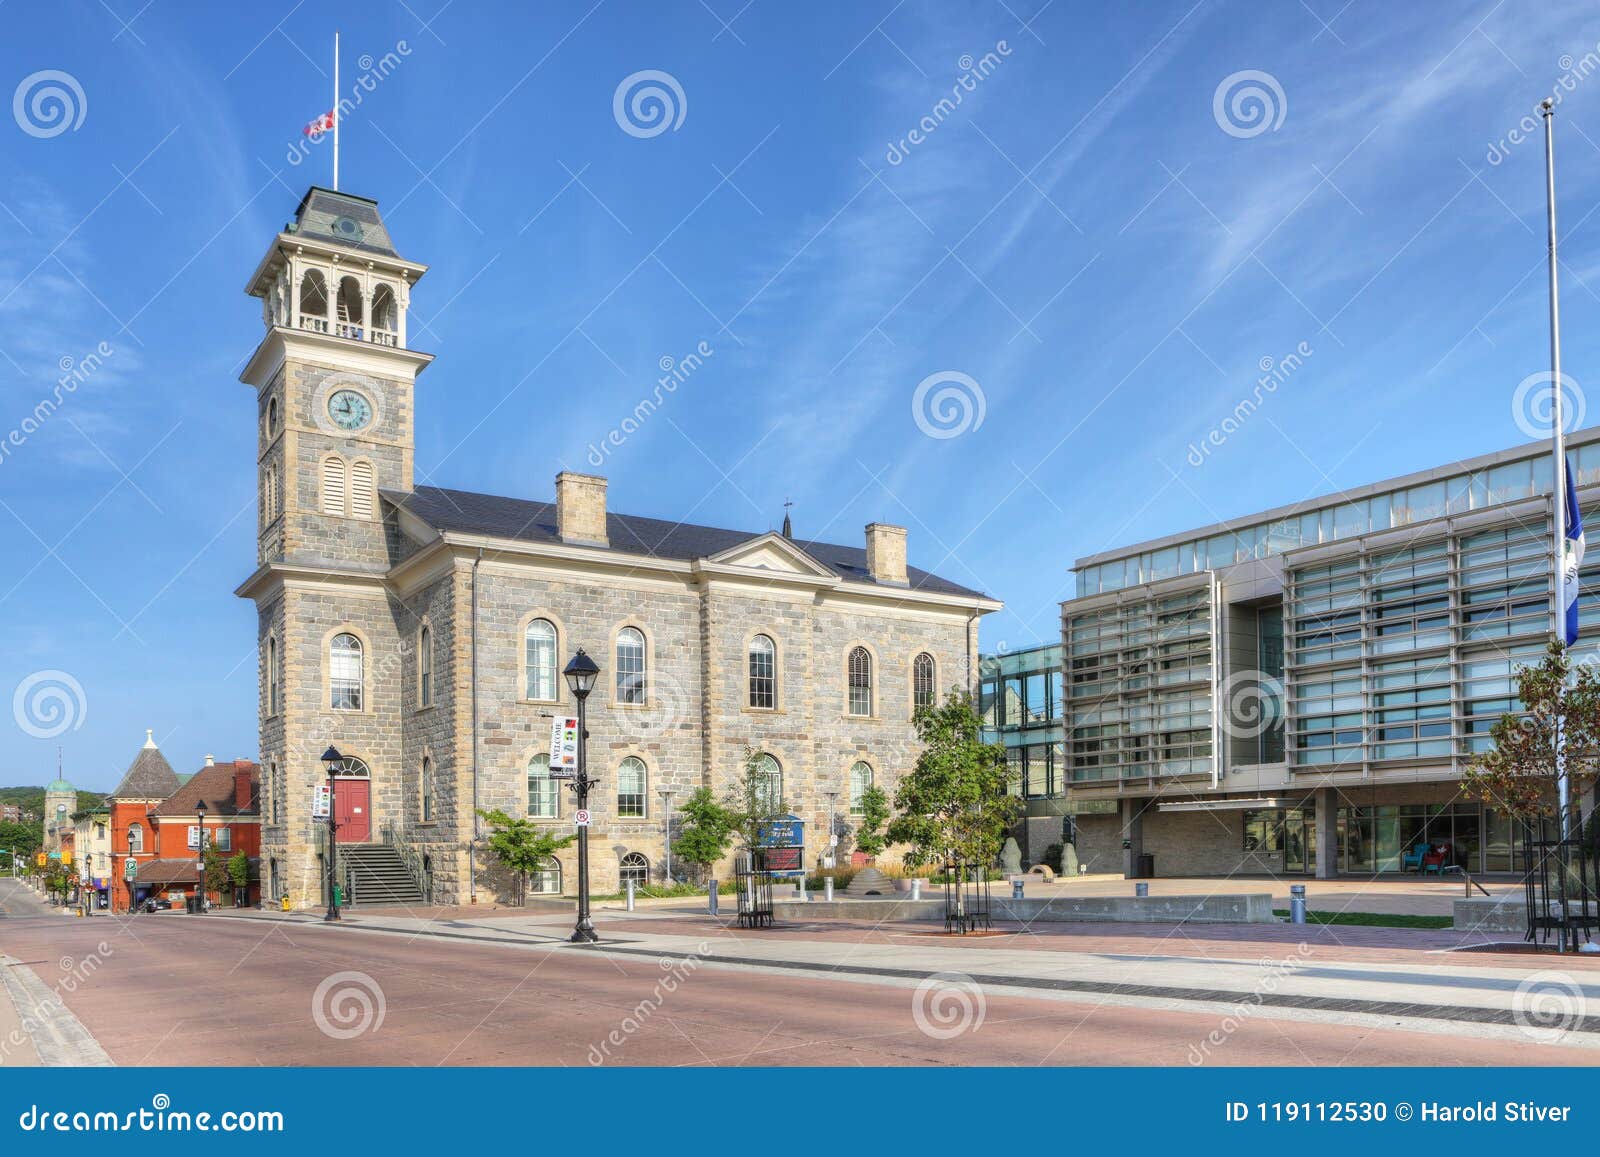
point(630, 895)
point(800, 890)
point(1016, 888)
point(827, 888)
point(711, 898)
point(1297, 903)
point(1141, 889)
point(916, 888)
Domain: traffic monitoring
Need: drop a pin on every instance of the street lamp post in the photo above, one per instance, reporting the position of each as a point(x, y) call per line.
point(833, 839)
point(335, 761)
point(581, 675)
point(200, 864)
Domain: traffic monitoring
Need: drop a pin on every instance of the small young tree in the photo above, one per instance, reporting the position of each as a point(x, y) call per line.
point(1518, 774)
point(955, 802)
point(239, 873)
point(870, 839)
point(217, 877)
point(521, 846)
point(705, 831)
point(753, 799)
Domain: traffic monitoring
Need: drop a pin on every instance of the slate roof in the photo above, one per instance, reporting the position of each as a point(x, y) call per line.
point(149, 777)
point(214, 784)
point(343, 219)
point(528, 521)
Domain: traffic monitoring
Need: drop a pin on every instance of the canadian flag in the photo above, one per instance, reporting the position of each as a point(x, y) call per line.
point(319, 126)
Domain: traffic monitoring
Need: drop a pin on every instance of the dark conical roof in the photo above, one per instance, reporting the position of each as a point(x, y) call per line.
point(344, 219)
point(150, 776)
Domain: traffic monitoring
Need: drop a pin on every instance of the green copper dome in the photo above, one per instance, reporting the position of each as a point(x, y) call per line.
point(60, 785)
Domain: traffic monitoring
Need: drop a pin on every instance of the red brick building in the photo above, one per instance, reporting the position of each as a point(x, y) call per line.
point(232, 823)
point(148, 782)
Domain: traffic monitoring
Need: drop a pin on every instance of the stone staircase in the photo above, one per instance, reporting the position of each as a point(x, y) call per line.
point(377, 877)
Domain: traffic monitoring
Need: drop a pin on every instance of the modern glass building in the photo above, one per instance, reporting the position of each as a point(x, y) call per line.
point(1299, 691)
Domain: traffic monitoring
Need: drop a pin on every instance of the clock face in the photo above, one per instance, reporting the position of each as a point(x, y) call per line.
point(349, 409)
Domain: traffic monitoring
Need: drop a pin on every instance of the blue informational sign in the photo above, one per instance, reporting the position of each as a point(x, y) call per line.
point(783, 832)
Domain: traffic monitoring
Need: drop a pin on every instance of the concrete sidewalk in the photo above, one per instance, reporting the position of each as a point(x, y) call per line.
point(1392, 895)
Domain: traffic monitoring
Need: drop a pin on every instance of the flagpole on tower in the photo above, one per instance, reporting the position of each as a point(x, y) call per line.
point(336, 117)
point(1559, 493)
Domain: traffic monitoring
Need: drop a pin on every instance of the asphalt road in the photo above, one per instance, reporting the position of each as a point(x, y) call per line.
point(18, 900)
point(172, 989)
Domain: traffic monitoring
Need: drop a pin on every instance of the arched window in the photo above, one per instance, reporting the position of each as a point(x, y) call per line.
point(763, 672)
point(314, 301)
point(860, 782)
point(923, 675)
point(427, 790)
point(344, 673)
point(352, 311)
point(135, 838)
point(272, 417)
point(860, 681)
point(544, 801)
point(547, 880)
point(634, 867)
point(631, 684)
point(769, 784)
point(276, 790)
point(425, 667)
point(363, 491)
point(631, 782)
point(272, 675)
point(335, 496)
point(539, 660)
point(383, 314)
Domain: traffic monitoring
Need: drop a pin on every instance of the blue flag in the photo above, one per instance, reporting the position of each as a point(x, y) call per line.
point(1571, 560)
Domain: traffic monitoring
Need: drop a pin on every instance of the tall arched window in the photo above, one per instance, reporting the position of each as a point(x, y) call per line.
point(539, 660)
point(352, 310)
point(383, 313)
point(425, 667)
point(923, 675)
point(631, 685)
point(544, 802)
point(314, 301)
point(272, 675)
point(344, 673)
point(763, 672)
point(363, 490)
point(277, 792)
point(135, 838)
point(860, 681)
point(547, 880)
point(631, 783)
point(335, 495)
point(769, 784)
point(427, 790)
point(860, 782)
point(634, 867)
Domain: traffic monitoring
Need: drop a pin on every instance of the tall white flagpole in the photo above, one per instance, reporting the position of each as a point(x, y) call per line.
point(1547, 109)
point(336, 117)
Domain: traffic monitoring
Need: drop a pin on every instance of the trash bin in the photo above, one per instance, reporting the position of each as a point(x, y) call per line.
point(1146, 867)
point(189, 904)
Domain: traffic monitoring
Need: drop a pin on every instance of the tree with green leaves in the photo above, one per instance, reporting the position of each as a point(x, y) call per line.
point(1518, 774)
point(755, 798)
point(870, 839)
point(217, 878)
point(955, 803)
point(239, 873)
point(521, 846)
point(705, 830)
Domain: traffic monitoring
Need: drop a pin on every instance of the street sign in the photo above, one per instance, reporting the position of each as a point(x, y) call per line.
point(582, 818)
point(563, 746)
point(321, 802)
point(130, 868)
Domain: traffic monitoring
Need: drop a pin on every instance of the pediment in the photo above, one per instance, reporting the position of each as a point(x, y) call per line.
point(771, 551)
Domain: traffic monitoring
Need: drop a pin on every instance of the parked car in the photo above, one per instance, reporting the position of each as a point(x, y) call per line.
point(156, 904)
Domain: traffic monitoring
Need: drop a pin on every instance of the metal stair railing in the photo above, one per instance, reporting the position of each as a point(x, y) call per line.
point(411, 858)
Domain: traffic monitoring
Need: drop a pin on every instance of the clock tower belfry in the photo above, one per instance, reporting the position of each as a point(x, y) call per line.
point(335, 381)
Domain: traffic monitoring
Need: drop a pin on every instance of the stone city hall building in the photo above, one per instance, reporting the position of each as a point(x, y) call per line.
point(422, 631)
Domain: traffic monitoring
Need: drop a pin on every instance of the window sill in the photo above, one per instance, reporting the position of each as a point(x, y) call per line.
point(764, 710)
point(849, 718)
point(425, 709)
point(526, 702)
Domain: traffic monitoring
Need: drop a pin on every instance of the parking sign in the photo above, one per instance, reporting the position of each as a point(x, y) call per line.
point(582, 818)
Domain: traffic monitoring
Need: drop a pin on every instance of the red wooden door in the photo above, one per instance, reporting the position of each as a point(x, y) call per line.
point(352, 810)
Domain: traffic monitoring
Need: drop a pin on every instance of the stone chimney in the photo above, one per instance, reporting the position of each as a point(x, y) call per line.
point(581, 508)
point(886, 553)
point(241, 784)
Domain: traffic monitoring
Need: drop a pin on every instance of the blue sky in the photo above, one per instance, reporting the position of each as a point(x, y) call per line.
point(1104, 255)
